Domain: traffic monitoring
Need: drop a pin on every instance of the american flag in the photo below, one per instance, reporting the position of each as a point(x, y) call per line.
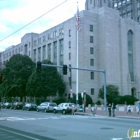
point(78, 20)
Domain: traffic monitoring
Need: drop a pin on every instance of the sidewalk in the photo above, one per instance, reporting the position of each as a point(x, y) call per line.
point(120, 114)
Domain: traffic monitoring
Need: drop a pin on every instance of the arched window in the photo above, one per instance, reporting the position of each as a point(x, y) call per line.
point(130, 54)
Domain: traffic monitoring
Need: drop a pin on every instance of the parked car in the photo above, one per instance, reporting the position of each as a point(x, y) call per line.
point(7, 105)
point(64, 108)
point(46, 106)
point(29, 106)
point(17, 105)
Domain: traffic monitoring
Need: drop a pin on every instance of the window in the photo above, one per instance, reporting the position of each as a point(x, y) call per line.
point(90, 1)
point(44, 38)
point(92, 75)
point(69, 44)
point(130, 54)
point(91, 50)
point(39, 40)
point(91, 39)
point(69, 33)
point(92, 91)
point(91, 28)
point(69, 56)
point(91, 62)
point(35, 43)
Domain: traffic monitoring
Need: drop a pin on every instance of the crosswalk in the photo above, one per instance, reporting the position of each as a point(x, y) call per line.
point(49, 117)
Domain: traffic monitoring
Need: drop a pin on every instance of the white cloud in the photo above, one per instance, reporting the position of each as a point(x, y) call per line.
point(17, 15)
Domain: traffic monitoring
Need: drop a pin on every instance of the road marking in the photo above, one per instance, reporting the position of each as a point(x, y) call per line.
point(50, 117)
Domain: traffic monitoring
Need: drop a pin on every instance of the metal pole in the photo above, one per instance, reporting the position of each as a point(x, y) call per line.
point(77, 72)
point(105, 103)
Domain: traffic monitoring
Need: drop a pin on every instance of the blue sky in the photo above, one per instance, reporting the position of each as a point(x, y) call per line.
point(14, 14)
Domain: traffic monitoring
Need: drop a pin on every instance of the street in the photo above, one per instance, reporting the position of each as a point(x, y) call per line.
point(32, 125)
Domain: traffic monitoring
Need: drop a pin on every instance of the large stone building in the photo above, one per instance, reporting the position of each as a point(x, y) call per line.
point(128, 8)
point(106, 41)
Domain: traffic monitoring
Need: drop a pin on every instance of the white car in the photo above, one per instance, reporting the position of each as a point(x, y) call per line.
point(46, 106)
point(64, 108)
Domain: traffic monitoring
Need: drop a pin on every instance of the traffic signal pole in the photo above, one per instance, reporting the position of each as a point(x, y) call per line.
point(85, 69)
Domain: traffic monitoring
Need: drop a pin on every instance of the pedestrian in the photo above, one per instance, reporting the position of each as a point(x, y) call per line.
point(113, 109)
point(73, 111)
point(138, 108)
point(109, 109)
point(128, 109)
point(93, 110)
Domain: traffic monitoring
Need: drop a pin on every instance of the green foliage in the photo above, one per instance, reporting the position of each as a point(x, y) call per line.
point(98, 102)
point(58, 101)
point(15, 75)
point(112, 93)
point(128, 99)
point(80, 99)
point(45, 83)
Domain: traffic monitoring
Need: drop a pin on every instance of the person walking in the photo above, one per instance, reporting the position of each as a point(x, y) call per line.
point(93, 110)
point(73, 112)
point(138, 108)
point(128, 109)
point(113, 109)
point(109, 109)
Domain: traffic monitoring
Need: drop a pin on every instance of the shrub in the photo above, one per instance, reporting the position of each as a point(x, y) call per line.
point(128, 99)
point(58, 101)
point(80, 99)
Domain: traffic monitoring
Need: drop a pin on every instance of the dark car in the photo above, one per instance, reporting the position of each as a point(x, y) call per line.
point(17, 105)
point(7, 105)
point(29, 106)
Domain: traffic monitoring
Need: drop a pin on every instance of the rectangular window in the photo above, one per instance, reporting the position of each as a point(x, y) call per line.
point(91, 28)
point(91, 62)
point(92, 91)
point(69, 56)
point(91, 50)
point(92, 75)
point(69, 33)
point(35, 43)
point(90, 1)
point(69, 44)
point(91, 39)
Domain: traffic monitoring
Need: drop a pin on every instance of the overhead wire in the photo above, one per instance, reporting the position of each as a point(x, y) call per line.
point(32, 21)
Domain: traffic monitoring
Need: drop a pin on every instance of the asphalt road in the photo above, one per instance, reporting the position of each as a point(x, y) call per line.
point(31, 125)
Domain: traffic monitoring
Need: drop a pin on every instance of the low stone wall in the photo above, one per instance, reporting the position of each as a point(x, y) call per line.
point(134, 108)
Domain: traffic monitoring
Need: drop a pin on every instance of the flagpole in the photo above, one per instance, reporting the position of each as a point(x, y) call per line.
point(77, 64)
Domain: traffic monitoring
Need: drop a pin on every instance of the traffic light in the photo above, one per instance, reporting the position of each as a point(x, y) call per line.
point(65, 69)
point(0, 78)
point(38, 66)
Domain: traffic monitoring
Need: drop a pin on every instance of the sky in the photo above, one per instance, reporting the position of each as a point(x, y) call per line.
point(16, 14)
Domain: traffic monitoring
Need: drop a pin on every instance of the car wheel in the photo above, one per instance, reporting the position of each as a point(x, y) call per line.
point(63, 111)
point(37, 110)
point(54, 111)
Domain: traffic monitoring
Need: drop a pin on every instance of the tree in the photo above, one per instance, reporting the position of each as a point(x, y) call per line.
point(16, 73)
point(45, 83)
point(112, 93)
point(80, 99)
